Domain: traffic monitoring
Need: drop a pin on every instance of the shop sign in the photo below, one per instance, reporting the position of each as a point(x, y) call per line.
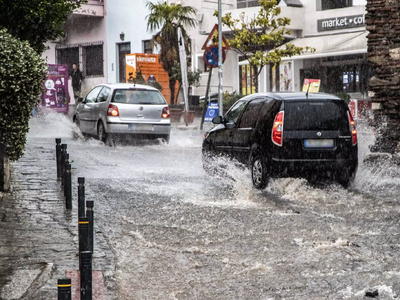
point(341, 22)
point(55, 92)
point(311, 85)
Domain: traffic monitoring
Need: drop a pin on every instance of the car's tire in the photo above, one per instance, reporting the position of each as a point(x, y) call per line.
point(101, 132)
point(346, 178)
point(259, 174)
point(165, 140)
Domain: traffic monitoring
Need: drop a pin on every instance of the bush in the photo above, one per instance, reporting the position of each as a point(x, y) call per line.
point(229, 100)
point(22, 72)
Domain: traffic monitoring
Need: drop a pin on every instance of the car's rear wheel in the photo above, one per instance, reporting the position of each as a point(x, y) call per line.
point(259, 172)
point(346, 178)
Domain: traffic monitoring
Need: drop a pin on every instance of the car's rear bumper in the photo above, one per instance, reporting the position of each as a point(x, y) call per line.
point(304, 167)
point(139, 128)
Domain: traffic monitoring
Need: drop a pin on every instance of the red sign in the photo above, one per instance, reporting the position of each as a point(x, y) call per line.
point(212, 40)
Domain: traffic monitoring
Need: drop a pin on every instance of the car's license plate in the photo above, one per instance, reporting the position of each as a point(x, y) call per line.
point(141, 127)
point(319, 143)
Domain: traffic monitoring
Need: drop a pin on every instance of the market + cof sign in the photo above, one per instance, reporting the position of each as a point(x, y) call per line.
point(341, 22)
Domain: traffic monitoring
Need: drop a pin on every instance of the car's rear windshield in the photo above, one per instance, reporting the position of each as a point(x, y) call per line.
point(138, 96)
point(316, 115)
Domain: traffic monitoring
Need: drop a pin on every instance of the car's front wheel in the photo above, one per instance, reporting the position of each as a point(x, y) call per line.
point(259, 172)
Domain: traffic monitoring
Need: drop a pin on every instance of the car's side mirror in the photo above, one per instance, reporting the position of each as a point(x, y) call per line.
point(217, 120)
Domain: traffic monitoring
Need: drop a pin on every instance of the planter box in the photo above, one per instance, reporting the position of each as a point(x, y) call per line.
point(190, 116)
point(175, 114)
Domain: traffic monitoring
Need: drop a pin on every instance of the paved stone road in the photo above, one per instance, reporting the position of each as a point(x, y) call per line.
point(38, 236)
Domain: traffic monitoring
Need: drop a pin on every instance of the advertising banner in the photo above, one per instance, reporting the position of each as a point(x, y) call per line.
point(311, 85)
point(286, 76)
point(212, 111)
point(55, 93)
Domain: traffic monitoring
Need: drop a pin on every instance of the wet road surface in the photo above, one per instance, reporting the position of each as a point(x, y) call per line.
point(170, 231)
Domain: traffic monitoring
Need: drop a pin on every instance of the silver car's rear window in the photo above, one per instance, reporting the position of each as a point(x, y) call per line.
point(138, 96)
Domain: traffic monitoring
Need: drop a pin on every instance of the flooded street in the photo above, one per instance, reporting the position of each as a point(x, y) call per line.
point(171, 231)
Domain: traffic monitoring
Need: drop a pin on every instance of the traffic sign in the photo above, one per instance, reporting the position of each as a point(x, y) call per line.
point(210, 56)
point(212, 40)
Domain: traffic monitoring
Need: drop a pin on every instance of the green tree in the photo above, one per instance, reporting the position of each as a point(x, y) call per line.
point(258, 39)
point(167, 19)
point(193, 77)
point(36, 21)
point(22, 72)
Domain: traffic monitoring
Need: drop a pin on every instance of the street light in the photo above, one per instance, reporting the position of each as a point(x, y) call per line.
point(122, 36)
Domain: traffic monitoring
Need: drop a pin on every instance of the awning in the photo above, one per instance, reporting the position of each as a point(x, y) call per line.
point(331, 45)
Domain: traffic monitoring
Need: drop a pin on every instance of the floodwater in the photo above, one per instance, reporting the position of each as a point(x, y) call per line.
point(174, 232)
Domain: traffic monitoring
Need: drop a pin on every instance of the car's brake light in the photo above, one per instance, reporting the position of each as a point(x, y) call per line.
point(352, 129)
point(277, 129)
point(165, 112)
point(112, 111)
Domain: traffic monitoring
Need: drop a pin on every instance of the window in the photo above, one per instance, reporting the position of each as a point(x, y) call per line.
point(234, 113)
point(316, 115)
point(68, 56)
point(138, 96)
point(333, 4)
point(90, 60)
point(247, 3)
point(103, 96)
point(91, 97)
point(247, 84)
point(147, 47)
point(94, 60)
point(251, 113)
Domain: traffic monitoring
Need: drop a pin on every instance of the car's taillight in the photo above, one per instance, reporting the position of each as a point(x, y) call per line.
point(165, 112)
point(112, 111)
point(352, 129)
point(277, 129)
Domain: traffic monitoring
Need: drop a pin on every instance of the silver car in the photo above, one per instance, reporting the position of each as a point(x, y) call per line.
point(111, 110)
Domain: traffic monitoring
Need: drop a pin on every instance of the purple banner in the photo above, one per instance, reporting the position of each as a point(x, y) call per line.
point(55, 94)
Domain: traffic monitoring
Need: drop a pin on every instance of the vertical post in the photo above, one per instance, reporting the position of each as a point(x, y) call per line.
point(68, 187)
point(63, 151)
point(86, 275)
point(90, 216)
point(205, 106)
point(83, 230)
point(58, 157)
point(65, 163)
point(220, 58)
point(81, 197)
point(64, 289)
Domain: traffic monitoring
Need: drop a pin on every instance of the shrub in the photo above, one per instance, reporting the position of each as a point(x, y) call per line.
point(22, 72)
point(229, 100)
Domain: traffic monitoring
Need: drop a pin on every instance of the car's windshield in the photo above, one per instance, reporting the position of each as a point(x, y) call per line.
point(138, 96)
point(316, 115)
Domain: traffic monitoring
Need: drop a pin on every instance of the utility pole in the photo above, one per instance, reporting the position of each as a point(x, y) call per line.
point(220, 110)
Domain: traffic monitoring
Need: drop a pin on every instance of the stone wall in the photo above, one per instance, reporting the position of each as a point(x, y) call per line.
point(383, 24)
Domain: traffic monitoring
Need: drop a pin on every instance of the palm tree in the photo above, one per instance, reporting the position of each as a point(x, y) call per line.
point(167, 18)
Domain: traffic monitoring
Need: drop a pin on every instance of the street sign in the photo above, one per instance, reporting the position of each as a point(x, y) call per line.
point(210, 56)
point(212, 40)
point(212, 111)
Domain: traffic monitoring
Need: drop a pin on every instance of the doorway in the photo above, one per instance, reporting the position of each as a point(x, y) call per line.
point(123, 49)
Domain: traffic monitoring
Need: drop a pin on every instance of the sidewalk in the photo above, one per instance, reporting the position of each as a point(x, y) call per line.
point(38, 236)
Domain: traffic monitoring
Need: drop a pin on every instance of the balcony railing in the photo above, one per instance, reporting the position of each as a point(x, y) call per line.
point(91, 8)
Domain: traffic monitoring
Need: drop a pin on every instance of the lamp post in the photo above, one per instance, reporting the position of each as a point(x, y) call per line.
point(220, 110)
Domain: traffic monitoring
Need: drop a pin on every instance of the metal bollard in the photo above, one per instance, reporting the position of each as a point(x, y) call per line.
point(85, 260)
point(64, 289)
point(58, 157)
point(81, 197)
point(63, 151)
point(68, 186)
point(64, 177)
point(83, 226)
point(90, 216)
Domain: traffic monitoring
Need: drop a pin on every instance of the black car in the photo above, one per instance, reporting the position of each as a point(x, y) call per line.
point(312, 136)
